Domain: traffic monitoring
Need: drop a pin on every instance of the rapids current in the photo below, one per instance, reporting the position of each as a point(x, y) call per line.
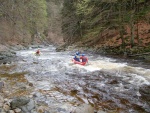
point(105, 83)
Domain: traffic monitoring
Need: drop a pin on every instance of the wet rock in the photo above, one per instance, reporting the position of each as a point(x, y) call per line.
point(22, 86)
point(84, 109)
point(17, 47)
point(1, 57)
point(3, 79)
point(147, 57)
point(145, 92)
point(28, 107)
point(113, 82)
point(34, 46)
point(37, 94)
point(47, 112)
point(1, 104)
point(1, 99)
point(101, 111)
point(10, 111)
point(7, 103)
point(31, 84)
point(6, 107)
point(61, 48)
point(17, 110)
point(61, 110)
point(34, 111)
point(17, 102)
point(5, 54)
point(3, 112)
point(40, 109)
point(6, 100)
point(1, 86)
point(4, 62)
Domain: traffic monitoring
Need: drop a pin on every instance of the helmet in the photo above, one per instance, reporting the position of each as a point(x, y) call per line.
point(83, 54)
point(77, 53)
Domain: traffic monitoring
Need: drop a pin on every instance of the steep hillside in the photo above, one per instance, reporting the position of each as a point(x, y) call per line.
point(30, 22)
point(110, 38)
point(112, 25)
point(54, 33)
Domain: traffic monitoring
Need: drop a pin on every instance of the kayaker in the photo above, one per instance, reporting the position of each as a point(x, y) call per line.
point(77, 57)
point(84, 59)
point(37, 52)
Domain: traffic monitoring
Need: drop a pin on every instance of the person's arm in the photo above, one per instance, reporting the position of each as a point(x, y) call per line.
point(86, 59)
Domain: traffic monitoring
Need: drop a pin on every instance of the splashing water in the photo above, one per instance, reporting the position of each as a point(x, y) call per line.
point(102, 82)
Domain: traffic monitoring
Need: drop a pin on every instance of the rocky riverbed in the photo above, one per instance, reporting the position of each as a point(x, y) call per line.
point(50, 83)
point(17, 94)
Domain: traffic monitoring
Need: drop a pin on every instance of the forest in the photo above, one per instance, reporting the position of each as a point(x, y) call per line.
point(114, 25)
point(107, 24)
point(74, 56)
point(28, 21)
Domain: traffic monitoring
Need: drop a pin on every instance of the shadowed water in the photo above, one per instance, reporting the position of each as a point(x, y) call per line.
point(105, 83)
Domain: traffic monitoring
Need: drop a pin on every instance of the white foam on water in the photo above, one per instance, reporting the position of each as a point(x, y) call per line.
point(46, 85)
point(138, 80)
point(26, 53)
point(62, 61)
point(100, 64)
point(107, 64)
point(142, 71)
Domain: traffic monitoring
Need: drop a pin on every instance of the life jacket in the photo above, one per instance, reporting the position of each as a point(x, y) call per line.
point(38, 52)
point(84, 59)
point(77, 58)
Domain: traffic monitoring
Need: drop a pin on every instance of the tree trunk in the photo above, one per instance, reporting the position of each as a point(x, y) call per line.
point(137, 11)
point(121, 36)
point(121, 25)
point(132, 32)
point(137, 33)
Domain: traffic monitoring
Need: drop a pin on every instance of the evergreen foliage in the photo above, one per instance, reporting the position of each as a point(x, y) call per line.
point(91, 18)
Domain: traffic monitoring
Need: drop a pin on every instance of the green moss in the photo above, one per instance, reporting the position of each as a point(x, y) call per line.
point(7, 68)
point(18, 93)
point(12, 75)
point(17, 76)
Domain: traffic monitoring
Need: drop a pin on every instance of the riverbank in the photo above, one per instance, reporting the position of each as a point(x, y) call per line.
point(137, 53)
point(8, 52)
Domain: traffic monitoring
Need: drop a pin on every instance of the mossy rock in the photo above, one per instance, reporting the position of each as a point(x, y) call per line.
point(147, 57)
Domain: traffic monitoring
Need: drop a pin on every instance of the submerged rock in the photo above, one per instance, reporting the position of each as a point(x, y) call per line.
point(17, 102)
point(147, 58)
point(1, 86)
point(28, 107)
point(85, 108)
point(145, 92)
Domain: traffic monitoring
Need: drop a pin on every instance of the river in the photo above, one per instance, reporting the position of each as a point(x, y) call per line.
point(105, 83)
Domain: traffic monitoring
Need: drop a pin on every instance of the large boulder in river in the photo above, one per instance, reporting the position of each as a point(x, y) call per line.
point(20, 101)
point(25, 104)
